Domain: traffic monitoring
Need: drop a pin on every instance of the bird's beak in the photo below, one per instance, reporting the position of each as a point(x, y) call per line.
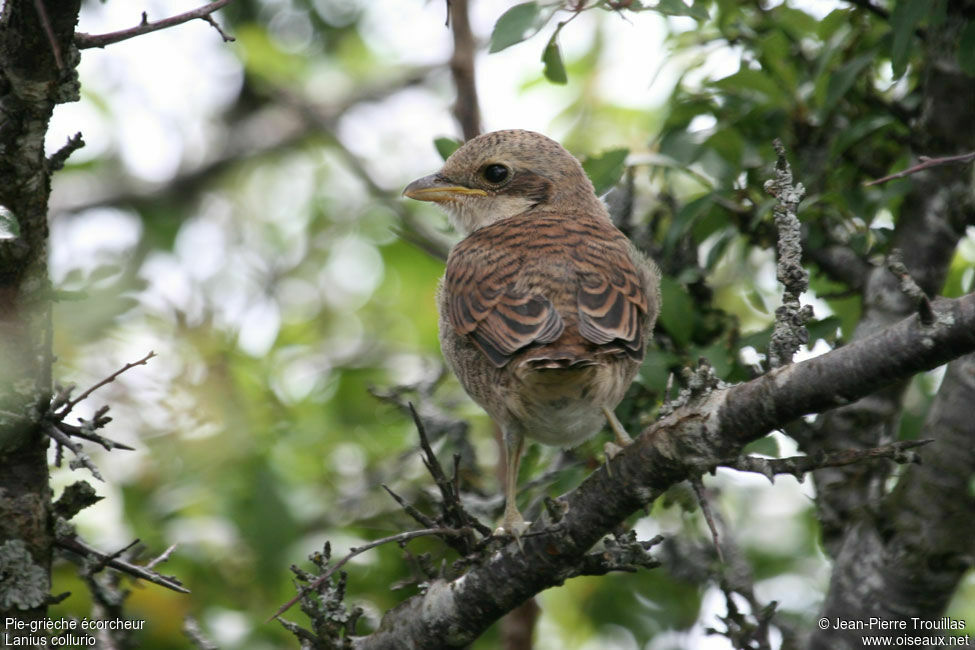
point(437, 189)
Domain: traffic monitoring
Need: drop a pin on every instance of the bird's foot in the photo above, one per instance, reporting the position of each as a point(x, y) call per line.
point(513, 523)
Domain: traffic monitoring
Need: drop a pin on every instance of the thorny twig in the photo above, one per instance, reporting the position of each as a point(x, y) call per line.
point(84, 41)
point(75, 545)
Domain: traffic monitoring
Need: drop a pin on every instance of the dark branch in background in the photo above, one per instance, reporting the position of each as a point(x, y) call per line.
point(414, 231)
point(871, 7)
point(466, 106)
point(256, 137)
point(926, 163)
point(49, 32)
point(791, 318)
point(84, 41)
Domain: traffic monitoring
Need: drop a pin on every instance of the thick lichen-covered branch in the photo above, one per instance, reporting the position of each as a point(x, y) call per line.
point(789, 331)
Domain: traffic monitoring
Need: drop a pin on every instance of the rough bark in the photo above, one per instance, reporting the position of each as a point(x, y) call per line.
point(693, 438)
point(37, 60)
point(904, 558)
point(888, 550)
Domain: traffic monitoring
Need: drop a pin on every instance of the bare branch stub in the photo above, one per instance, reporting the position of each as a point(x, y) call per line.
point(910, 288)
point(58, 158)
point(789, 331)
point(85, 41)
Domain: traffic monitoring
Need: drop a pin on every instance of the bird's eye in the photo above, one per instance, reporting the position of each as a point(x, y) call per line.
point(495, 173)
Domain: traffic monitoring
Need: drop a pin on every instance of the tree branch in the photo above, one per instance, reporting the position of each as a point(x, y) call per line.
point(101, 560)
point(466, 107)
point(926, 163)
point(84, 41)
point(696, 435)
point(906, 556)
point(791, 318)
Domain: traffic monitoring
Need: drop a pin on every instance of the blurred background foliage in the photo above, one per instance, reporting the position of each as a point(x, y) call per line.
point(236, 210)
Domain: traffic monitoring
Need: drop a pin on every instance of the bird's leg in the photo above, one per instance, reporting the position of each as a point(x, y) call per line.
point(623, 439)
point(512, 522)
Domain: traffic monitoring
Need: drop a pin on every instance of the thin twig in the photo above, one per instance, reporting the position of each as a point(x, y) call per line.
point(163, 557)
point(910, 288)
point(421, 518)
point(698, 486)
point(81, 458)
point(798, 466)
point(103, 561)
point(112, 377)
point(75, 545)
point(357, 550)
point(85, 41)
point(79, 432)
point(227, 38)
point(926, 163)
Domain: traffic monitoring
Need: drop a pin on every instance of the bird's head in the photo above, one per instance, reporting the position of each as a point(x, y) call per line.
point(503, 174)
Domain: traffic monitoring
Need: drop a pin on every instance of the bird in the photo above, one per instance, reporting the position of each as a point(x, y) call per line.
point(545, 307)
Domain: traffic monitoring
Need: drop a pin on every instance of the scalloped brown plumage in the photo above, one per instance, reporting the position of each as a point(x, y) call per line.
point(546, 308)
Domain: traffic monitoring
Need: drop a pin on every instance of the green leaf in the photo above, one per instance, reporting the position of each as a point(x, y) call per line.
point(678, 8)
point(825, 329)
point(515, 25)
point(446, 146)
point(843, 79)
point(9, 226)
point(905, 18)
point(606, 169)
point(755, 81)
point(858, 130)
point(766, 446)
point(552, 58)
point(677, 311)
point(966, 49)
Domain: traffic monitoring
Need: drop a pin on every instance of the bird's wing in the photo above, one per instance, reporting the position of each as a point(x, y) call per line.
point(612, 301)
point(579, 265)
point(483, 302)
